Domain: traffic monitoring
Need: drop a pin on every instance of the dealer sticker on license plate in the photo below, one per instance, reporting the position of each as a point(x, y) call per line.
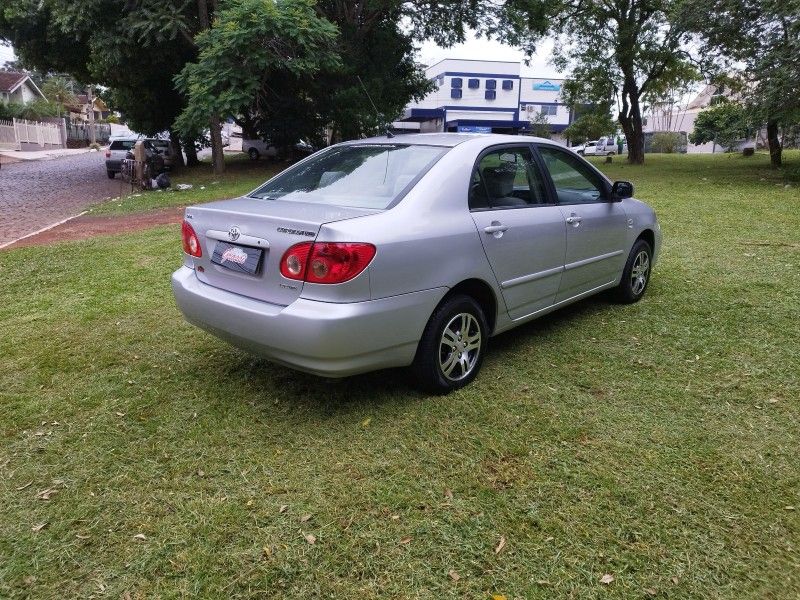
point(237, 258)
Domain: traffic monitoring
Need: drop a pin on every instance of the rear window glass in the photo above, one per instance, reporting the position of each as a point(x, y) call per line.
point(362, 175)
point(121, 145)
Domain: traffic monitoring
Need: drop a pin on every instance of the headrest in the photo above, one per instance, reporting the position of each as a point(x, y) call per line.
point(499, 181)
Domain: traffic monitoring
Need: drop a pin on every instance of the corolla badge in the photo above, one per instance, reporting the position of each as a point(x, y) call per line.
point(234, 233)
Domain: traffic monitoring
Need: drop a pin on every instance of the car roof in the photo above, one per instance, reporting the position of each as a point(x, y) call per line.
point(448, 139)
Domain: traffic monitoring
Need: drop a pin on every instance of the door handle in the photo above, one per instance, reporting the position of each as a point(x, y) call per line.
point(496, 229)
point(574, 219)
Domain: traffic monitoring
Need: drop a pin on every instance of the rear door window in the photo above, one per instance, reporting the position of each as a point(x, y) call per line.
point(121, 145)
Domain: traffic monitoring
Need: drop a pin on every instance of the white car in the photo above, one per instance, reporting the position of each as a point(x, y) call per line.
point(255, 149)
point(586, 148)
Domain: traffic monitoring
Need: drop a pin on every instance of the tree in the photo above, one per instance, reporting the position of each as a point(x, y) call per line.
point(256, 52)
point(759, 40)
point(59, 90)
point(540, 125)
point(614, 49)
point(590, 125)
point(725, 124)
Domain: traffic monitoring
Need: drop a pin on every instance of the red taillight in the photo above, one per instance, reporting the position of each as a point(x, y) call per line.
point(108, 153)
point(326, 262)
point(191, 244)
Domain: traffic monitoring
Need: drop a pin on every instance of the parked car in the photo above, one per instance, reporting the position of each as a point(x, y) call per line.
point(390, 252)
point(116, 153)
point(586, 148)
point(164, 148)
point(255, 149)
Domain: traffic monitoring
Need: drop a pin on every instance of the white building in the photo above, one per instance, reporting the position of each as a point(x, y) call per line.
point(485, 96)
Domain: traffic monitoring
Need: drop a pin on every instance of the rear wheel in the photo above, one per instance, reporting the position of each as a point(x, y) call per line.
point(636, 275)
point(111, 174)
point(450, 352)
point(253, 154)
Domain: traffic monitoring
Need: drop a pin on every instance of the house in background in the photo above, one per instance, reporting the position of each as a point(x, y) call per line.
point(80, 109)
point(18, 87)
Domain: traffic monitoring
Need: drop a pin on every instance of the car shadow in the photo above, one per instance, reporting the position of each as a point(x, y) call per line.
point(326, 397)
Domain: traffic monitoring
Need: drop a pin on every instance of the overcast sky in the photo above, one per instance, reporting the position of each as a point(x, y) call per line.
point(473, 48)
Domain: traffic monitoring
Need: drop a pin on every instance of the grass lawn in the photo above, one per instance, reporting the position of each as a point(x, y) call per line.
point(241, 176)
point(657, 443)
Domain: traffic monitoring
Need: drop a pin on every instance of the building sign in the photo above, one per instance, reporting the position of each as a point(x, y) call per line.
point(474, 129)
point(546, 86)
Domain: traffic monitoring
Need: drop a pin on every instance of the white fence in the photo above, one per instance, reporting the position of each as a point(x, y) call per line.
point(16, 132)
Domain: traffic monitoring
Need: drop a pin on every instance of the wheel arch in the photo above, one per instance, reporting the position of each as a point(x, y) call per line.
point(649, 236)
point(483, 294)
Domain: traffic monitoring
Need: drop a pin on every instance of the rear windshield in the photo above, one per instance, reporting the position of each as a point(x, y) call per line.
point(362, 175)
point(121, 145)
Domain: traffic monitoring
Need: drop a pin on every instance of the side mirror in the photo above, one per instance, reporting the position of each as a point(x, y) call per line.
point(621, 190)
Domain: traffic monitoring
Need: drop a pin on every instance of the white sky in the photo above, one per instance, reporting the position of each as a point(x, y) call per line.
point(473, 48)
point(483, 49)
point(6, 53)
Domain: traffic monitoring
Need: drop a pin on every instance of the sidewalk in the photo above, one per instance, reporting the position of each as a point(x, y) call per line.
point(11, 156)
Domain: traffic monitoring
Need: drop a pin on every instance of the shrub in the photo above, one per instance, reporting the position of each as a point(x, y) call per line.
point(667, 142)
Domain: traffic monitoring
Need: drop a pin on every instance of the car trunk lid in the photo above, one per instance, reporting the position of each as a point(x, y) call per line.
point(271, 226)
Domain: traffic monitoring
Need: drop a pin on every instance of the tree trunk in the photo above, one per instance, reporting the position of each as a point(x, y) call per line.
point(775, 149)
point(217, 159)
point(177, 153)
point(191, 153)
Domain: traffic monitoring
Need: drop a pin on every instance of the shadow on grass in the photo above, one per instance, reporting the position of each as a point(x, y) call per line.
point(303, 393)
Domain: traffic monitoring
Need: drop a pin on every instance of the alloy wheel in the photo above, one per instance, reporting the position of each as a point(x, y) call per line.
point(640, 272)
point(459, 346)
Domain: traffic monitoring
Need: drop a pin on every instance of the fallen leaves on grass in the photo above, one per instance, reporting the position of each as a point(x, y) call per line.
point(22, 487)
point(39, 527)
point(46, 494)
point(501, 545)
point(405, 540)
point(310, 538)
point(453, 575)
point(140, 536)
point(607, 579)
point(283, 508)
point(305, 518)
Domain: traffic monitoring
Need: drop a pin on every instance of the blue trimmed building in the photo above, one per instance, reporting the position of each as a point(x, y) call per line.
point(485, 96)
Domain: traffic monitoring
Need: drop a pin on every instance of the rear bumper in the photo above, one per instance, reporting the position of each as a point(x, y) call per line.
point(113, 165)
point(323, 338)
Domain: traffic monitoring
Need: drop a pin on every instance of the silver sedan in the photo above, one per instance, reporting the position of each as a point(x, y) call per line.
point(411, 251)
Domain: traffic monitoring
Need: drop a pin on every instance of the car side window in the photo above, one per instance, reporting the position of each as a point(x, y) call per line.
point(506, 178)
point(574, 181)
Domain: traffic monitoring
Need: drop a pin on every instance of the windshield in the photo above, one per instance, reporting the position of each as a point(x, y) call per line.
point(361, 175)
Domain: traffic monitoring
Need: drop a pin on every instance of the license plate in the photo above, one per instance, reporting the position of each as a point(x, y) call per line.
point(237, 258)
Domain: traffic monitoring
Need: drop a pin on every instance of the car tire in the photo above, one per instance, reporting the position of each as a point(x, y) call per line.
point(610, 153)
point(636, 274)
point(253, 154)
point(447, 358)
point(111, 174)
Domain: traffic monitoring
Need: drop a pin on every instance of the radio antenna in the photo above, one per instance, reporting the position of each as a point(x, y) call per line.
point(389, 134)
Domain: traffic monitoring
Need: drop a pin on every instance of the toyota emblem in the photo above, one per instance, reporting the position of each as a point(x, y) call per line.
point(234, 233)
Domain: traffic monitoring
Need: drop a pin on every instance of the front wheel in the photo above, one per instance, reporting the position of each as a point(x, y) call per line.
point(253, 154)
point(636, 274)
point(450, 352)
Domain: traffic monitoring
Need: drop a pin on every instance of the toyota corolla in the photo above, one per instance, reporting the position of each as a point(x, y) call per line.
point(411, 251)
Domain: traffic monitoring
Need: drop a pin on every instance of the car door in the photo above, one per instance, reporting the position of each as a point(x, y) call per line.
point(521, 228)
point(596, 227)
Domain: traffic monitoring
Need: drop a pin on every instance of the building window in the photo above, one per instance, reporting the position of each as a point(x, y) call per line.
point(456, 82)
point(549, 110)
point(474, 84)
point(508, 84)
point(491, 84)
point(455, 93)
point(490, 94)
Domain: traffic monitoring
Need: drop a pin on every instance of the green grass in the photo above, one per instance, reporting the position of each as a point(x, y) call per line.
point(241, 176)
point(656, 442)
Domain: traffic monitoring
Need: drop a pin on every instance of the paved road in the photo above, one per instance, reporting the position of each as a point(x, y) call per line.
point(36, 194)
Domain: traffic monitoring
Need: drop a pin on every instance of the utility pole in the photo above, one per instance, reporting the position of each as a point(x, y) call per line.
point(92, 136)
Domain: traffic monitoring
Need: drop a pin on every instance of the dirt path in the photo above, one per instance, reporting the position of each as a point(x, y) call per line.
point(88, 226)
